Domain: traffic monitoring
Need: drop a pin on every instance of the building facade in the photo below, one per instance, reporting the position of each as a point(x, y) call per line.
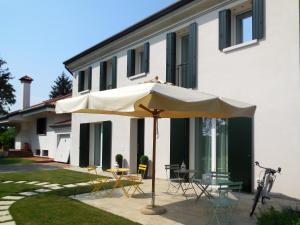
point(240, 49)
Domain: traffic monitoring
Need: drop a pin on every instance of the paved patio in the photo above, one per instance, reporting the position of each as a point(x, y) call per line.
point(179, 209)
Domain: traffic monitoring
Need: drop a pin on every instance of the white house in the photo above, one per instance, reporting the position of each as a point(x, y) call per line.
point(241, 49)
point(39, 128)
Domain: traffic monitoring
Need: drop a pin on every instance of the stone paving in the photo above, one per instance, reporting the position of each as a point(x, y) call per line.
point(7, 201)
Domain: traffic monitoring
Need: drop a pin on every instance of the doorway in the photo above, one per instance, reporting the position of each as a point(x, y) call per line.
point(140, 139)
point(179, 143)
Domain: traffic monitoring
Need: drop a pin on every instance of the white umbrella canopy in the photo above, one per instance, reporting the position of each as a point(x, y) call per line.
point(156, 100)
point(172, 101)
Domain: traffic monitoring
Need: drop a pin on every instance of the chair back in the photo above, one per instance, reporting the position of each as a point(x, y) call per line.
point(220, 175)
point(170, 170)
point(142, 170)
point(227, 187)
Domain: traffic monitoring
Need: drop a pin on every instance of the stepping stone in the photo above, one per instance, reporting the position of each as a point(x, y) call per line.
point(9, 223)
point(6, 202)
point(33, 182)
point(82, 184)
point(28, 193)
point(7, 182)
point(42, 190)
point(4, 207)
point(5, 218)
point(51, 185)
point(43, 183)
point(69, 185)
point(4, 213)
point(56, 188)
point(12, 197)
point(21, 182)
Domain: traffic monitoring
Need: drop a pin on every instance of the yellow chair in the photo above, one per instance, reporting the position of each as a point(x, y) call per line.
point(98, 181)
point(137, 179)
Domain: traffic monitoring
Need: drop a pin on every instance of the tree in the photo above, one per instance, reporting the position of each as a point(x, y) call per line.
point(7, 96)
point(62, 86)
point(7, 138)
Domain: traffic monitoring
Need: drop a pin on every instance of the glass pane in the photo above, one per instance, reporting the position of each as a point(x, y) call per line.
point(222, 145)
point(97, 145)
point(247, 29)
point(203, 145)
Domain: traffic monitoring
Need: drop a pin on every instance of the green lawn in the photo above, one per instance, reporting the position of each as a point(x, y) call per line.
point(60, 210)
point(55, 207)
point(60, 176)
point(8, 160)
point(11, 189)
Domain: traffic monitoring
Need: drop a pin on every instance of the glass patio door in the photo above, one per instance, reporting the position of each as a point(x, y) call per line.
point(211, 148)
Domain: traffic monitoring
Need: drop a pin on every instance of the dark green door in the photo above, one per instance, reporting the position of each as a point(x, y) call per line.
point(240, 151)
point(179, 143)
point(84, 145)
point(140, 139)
point(106, 144)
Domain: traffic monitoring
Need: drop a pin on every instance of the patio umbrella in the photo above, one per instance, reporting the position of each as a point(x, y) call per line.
point(157, 100)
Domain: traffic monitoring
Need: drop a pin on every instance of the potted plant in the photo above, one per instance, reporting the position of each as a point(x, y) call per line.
point(119, 160)
point(145, 161)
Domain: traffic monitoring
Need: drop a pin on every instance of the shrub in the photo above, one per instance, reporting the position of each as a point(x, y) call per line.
point(144, 160)
point(287, 216)
point(7, 138)
point(119, 159)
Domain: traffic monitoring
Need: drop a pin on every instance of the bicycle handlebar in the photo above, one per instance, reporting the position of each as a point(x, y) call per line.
point(269, 169)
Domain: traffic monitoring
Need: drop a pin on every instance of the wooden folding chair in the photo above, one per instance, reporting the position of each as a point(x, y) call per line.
point(137, 179)
point(97, 181)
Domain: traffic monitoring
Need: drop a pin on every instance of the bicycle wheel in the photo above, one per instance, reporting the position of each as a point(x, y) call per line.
point(256, 199)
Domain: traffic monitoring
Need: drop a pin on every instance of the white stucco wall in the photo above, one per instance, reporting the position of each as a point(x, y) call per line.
point(265, 74)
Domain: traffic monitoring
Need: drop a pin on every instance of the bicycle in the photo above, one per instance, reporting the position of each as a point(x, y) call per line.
point(264, 185)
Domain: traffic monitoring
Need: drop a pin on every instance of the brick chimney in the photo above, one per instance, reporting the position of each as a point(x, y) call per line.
point(25, 91)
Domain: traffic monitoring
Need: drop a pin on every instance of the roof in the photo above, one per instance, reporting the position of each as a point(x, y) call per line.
point(50, 103)
point(26, 79)
point(130, 29)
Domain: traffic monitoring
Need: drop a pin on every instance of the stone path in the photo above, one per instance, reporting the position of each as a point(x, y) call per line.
point(42, 187)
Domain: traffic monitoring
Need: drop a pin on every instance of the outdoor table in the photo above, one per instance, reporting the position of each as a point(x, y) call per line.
point(184, 175)
point(118, 174)
point(203, 184)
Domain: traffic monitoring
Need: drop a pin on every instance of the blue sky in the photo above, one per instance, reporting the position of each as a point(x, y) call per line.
point(37, 36)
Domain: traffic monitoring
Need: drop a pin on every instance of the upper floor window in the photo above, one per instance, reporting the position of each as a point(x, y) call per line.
point(138, 60)
point(41, 126)
point(241, 23)
point(182, 57)
point(85, 79)
point(108, 74)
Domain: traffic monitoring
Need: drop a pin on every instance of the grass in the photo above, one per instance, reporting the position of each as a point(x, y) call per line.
point(8, 160)
point(55, 207)
point(11, 189)
point(60, 210)
point(286, 216)
point(60, 176)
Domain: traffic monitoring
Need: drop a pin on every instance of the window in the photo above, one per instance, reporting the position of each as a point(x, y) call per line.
point(241, 24)
point(108, 74)
point(181, 49)
point(41, 126)
point(138, 60)
point(244, 27)
point(85, 79)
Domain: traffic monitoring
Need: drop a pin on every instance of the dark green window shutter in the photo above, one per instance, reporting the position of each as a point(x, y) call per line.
point(192, 65)
point(84, 144)
point(103, 71)
point(258, 19)
point(114, 72)
point(130, 62)
point(146, 58)
point(80, 81)
point(90, 78)
point(171, 57)
point(106, 144)
point(224, 29)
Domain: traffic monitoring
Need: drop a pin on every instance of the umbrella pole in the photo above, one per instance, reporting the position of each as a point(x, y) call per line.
point(155, 117)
